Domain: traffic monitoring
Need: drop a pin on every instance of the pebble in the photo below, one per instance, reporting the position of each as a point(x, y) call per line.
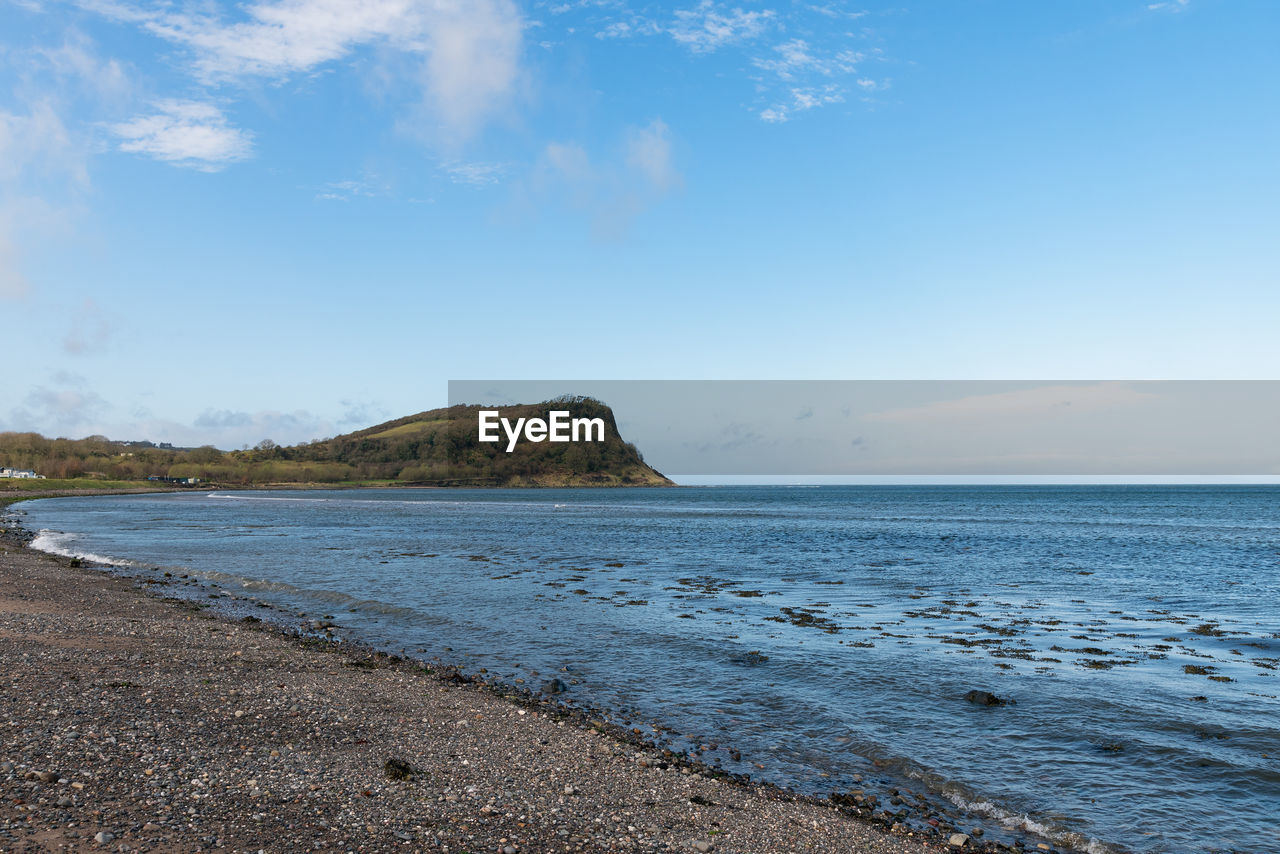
point(102, 837)
point(701, 846)
point(958, 840)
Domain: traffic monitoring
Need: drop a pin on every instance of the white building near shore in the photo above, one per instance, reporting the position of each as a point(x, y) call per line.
point(23, 474)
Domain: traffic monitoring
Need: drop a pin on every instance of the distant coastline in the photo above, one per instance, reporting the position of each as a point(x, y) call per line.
point(439, 447)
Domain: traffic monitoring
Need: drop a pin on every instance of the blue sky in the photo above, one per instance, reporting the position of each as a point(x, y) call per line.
point(288, 219)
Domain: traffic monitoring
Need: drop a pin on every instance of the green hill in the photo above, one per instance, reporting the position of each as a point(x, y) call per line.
point(440, 447)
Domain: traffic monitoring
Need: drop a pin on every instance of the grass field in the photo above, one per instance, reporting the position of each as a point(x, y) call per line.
point(25, 485)
point(410, 429)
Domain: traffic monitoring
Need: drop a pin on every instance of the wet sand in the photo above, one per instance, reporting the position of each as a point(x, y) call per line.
point(132, 722)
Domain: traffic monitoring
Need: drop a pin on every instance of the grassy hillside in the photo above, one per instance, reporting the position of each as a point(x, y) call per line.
point(440, 448)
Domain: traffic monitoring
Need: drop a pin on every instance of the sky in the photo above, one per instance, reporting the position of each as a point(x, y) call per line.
point(288, 219)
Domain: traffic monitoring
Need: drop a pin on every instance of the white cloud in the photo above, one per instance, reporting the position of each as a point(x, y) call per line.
point(1170, 6)
point(710, 25)
point(472, 67)
point(185, 133)
point(470, 50)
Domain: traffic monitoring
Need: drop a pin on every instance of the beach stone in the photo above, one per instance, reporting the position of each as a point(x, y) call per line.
point(102, 837)
point(699, 845)
point(398, 769)
point(554, 686)
point(958, 840)
point(48, 776)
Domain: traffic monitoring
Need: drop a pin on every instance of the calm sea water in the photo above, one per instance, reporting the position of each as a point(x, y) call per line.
point(826, 633)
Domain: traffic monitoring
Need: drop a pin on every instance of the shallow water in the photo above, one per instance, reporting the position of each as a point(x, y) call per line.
point(826, 633)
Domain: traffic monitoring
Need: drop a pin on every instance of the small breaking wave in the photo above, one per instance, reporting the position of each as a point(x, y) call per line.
point(62, 544)
point(226, 497)
point(1070, 840)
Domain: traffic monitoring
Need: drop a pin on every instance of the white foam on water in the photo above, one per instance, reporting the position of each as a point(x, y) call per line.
point(1017, 821)
point(261, 498)
point(61, 543)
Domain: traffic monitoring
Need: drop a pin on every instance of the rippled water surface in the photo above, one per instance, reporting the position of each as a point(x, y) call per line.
point(825, 633)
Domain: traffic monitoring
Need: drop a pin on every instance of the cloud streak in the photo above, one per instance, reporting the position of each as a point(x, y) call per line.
point(185, 133)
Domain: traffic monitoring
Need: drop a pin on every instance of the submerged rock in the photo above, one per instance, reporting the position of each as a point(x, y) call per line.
point(986, 698)
point(554, 686)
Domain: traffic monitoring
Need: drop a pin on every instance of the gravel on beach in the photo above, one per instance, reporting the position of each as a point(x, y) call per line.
point(133, 723)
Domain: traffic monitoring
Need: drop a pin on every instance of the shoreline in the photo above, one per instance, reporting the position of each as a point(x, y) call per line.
point(905, 825)
point(106, 673)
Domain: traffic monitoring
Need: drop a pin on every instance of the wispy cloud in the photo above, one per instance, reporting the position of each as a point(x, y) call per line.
point(43, 171)
point(185, 133)
point(1169, 6)
point(798, 56)
point(64, 407)
point(795, 58)
point(612, 191)
point(37, 142)
point(89, 329)
point(802, 99)
point(344, 191)
point(711, 25)
point(76, 60)
point(1040, 401)
point(468, 51)
point(648, 153)
point(229, 428)
point(637, 26)
point(475, 174)
point(13, 284)
point(812, 77)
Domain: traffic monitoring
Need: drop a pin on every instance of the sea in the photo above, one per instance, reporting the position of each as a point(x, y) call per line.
point(823, 639)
